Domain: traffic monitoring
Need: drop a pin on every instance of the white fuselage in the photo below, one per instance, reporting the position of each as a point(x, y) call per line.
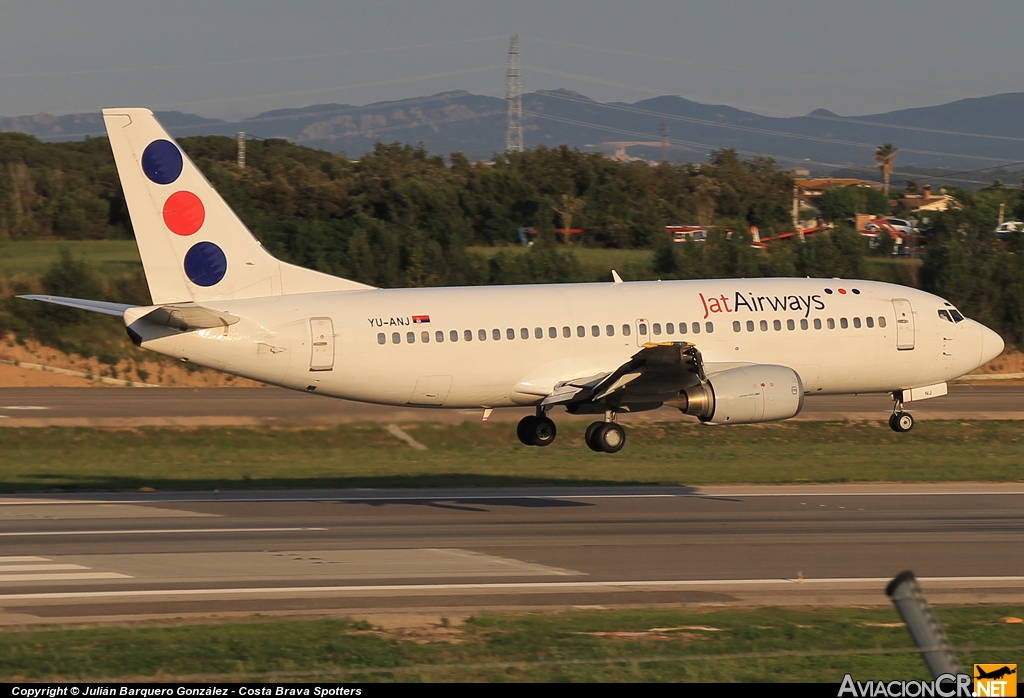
point(493, 346)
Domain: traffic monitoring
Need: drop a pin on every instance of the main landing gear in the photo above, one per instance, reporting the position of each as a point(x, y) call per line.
point(536, 430)
point(900, 421)
point(606, 436)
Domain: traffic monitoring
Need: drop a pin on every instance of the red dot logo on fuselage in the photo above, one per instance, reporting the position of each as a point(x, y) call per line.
point(184, 213)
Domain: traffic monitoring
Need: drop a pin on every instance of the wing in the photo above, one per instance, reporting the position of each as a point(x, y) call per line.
point(655, 374)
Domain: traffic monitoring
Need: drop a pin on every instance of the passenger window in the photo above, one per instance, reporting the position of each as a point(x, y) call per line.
point(881, 321)
point(581, 331)
point(777, 325)
point(856, 322)
point(709, 327)
point(524, 333)
point(510, 333)
point(381, 339)
point(595, 331)
point(410, 337)
point(553, 332)
point(682, 328)
point(643, 329)
point(495, 334)
point(764, 325)
point(481, 335)
point(736, 326)
point(790, 325)
point(831, 324)
point(844, 323)
point(817, 323)
point(750, 325)
point(439, 336)
point(870, 321)
point(670, 327)
point(566, 332)
point(538, 332)
point(425, 337)
point(626, 330)
point(396, 338)
point(609, 330)
point(803, 324)
point(656, 328)
point(468, 334)
point(695, 327)
point(453, 335)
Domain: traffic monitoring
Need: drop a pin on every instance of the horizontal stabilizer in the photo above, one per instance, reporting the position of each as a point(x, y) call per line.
point(115, 309)
point(184, 316)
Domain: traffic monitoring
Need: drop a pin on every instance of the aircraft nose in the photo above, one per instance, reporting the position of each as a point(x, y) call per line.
point(991, 345)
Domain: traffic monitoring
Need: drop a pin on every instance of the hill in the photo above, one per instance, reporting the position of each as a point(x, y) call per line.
point(968, 134)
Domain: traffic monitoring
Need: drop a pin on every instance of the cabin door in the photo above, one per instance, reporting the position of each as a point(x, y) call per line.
point(642, 328)
point(904, 324)
point(321, 357)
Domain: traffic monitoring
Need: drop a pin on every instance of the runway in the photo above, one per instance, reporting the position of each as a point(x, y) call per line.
point(122, 557)
point(257, 406)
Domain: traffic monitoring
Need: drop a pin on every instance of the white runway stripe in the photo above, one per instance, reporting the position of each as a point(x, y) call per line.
point(23, 558)
point(44, 567)
point(497, 586)
point(142, 531)
point(62, 577)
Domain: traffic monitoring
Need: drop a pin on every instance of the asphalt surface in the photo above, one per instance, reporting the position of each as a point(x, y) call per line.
point(114, 558)
point(239, 406)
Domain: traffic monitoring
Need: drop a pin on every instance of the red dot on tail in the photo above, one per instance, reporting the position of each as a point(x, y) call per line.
point(184, 213)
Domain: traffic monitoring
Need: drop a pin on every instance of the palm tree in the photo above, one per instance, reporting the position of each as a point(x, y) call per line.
point(885, 156)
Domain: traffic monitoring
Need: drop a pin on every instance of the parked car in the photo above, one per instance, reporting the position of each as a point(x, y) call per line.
point(901, 225)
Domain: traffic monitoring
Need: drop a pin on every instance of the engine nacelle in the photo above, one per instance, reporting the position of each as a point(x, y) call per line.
point(762, 393)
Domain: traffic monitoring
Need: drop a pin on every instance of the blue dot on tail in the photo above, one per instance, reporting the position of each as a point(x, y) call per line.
point(161, 161)
point(205, 264)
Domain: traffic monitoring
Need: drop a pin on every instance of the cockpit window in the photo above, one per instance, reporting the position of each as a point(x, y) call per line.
point(957, 317)
point(945, 316)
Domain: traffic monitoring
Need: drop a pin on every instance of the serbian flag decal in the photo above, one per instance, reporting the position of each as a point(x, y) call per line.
point(421, 319)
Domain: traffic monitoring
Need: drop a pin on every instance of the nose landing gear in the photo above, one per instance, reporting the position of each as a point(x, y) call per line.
point(606, 436)
point(900, 421)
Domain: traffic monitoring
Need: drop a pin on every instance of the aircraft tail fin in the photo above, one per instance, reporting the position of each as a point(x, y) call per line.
point(193, 246)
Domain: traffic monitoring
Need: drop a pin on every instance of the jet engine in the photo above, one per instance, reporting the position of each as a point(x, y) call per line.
point(761, 393)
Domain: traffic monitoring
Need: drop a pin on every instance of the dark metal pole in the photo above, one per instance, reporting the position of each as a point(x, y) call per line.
point(924, 627)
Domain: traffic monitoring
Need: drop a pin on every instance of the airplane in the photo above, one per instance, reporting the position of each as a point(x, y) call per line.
point(727, 351)
point(995, 674)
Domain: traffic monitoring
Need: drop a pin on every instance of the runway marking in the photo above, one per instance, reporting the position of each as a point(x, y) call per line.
point(43, 569)
point(40, 567)
point(496, 586)
point(22, 407)
point(143, 531)
point(67, 576)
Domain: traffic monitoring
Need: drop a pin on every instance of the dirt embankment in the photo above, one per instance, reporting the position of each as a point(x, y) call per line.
point(156, 372)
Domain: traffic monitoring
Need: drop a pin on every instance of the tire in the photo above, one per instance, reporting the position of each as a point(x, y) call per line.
point(892, 422)
point(525, 430)
point(610, 437)
point(588, 438)
point(905, 422)
point(544, 431)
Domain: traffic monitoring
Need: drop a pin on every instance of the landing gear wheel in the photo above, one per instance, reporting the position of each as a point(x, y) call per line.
point(610, 438)
point(588, 438)
point(544, 431)
point(902, 422)
point(525, 430)
point(892, 422)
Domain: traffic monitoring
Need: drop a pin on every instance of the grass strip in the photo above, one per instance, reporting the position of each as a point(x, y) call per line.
point(760, 644)
point(366, 455)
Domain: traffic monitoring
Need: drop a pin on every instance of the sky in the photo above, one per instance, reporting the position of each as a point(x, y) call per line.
point(233, 59)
